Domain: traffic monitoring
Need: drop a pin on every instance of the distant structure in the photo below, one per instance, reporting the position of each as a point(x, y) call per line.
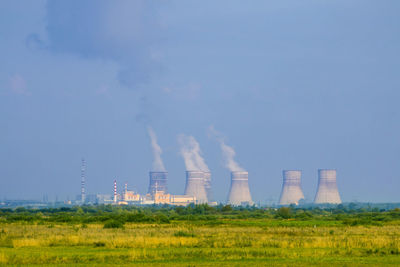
point(83, 191)
point(207, 185)
point(104, 199)
point(158, 181)
point(131, 197)
point(195, 186)
point(239, 193)
point(157, 196)
point(115, 192)
point(291, 188)
point(327, 188)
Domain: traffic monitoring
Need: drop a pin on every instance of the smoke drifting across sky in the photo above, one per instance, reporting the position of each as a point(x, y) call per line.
point(191, 153)
point(158, 164)
point(228, 152)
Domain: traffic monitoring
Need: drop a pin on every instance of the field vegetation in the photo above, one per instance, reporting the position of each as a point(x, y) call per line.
point(199, 236)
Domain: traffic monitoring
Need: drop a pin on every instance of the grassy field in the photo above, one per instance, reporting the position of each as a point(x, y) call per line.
point(229, 242)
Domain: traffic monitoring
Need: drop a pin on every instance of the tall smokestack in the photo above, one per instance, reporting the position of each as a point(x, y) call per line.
point(158, 182)
point(327, 188)
point(291, 188)
point(115, 191)
point(83, 191)
point(207, 185)
point(239, 193)
point(195, 186)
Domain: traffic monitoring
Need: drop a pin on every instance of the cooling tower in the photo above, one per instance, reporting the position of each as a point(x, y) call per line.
point(158, 181)
point(195, 186)
point(239, 193)
point(291, 188)
point(327, 188)
point(207, 185)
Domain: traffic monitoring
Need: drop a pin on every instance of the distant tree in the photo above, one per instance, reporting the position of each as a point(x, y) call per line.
point(226, 208)
point(20, 209)
point(284, 212)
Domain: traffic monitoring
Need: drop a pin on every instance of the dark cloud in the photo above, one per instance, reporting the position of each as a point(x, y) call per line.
point(124, 31)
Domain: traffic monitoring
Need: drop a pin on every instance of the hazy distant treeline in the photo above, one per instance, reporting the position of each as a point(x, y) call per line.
point(117, 216)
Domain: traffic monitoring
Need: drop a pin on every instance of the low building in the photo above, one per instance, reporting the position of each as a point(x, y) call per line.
point(131, 197)
point(160, 197)
point(182, 200)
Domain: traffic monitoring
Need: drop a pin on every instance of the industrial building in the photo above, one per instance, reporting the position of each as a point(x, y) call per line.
point(158, 180)
point(195, 186)
point(291, 188)
point(207, 185)
point(131, 197)
point(156, 192)
point(327, 192)
point(239, 192)
point(198, 190)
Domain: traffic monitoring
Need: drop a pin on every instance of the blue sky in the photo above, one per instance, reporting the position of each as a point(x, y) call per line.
point(290, 84)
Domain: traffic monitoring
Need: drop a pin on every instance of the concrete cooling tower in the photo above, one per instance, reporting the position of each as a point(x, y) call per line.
point(158, 180)
point(327, 188)
point(239, 193)
point(195, 186)
point(207, 185)
point(291, 188)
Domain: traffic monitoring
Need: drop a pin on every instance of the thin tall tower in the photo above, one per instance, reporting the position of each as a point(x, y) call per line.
point(115, 191)
point(83, 191)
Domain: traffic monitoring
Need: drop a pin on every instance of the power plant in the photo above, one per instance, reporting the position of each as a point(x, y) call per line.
point(158, 182)
point(195, 186)
point(198, 189)
point(291, 188)
point(327, 188)
point(239, 193)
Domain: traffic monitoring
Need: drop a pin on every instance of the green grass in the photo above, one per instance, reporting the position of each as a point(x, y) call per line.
point(193, 256)
point(227, 242)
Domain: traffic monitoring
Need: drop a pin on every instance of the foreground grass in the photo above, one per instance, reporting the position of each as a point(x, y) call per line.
point(228, 243)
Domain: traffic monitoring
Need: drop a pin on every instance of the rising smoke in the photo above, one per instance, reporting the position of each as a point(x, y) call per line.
point(158, 164)
point(191, 153)
point(228, 152)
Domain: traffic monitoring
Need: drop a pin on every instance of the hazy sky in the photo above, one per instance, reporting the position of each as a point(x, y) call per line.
point(290, 84)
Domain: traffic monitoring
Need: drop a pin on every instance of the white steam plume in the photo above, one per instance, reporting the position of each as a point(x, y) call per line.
point(187, 153)
point(191, 153)
point(158, 164)
point(227, 151)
